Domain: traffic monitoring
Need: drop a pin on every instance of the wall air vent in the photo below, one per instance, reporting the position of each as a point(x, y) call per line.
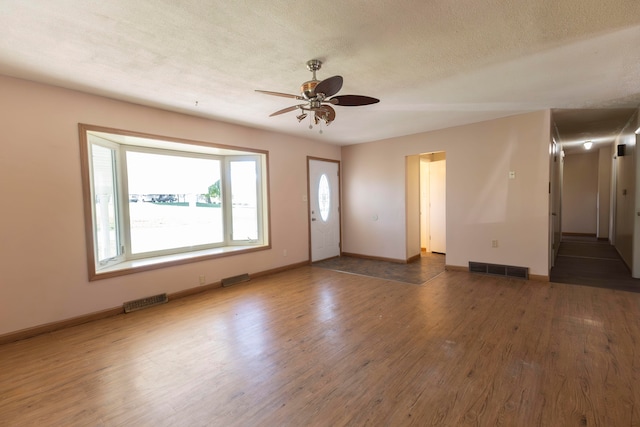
point(235, 279)
point(147, 302)
point(499, 270)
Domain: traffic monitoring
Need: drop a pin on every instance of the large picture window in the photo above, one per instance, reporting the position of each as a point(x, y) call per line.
point(151, 201)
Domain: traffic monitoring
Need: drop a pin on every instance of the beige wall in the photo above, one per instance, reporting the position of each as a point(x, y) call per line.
point(632, 139)
point(42, 251)
point(483, 204)
point(625, 194)
point(605, 157)
point(556, 170)
point(580, 193)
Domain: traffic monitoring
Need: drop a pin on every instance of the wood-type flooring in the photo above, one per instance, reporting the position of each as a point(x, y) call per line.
point(315, 347)
point(589, 262)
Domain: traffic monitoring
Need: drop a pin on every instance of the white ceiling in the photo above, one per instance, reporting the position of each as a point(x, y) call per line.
point(433, 64)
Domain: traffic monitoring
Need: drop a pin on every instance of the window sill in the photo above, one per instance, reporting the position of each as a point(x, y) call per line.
point(138, 265)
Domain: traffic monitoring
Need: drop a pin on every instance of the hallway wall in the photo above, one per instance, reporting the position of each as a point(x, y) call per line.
point(605, 156)
point(625, 194)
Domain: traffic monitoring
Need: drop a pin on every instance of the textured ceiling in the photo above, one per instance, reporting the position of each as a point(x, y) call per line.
point(433, 64)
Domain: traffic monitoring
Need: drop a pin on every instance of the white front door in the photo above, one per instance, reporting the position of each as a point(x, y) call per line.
point(324, 208)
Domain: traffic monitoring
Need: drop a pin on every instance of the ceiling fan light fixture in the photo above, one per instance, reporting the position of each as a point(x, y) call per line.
point(319, 96)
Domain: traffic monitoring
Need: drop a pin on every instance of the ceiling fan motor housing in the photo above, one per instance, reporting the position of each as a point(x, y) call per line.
point(308, 88)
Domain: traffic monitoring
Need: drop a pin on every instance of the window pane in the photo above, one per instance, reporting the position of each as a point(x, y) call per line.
point(324, 197)
point(105, 204)
point(244, 199)
point(174, 201)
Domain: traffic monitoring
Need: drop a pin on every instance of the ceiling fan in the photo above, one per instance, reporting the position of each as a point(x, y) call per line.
point(318, 97)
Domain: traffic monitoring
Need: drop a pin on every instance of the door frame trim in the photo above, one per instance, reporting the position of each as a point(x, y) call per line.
point(321, 159)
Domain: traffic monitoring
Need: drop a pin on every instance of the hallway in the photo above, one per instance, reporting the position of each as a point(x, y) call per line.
point(587, 261)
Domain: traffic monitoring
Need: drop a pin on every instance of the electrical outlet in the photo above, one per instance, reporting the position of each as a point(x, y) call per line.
point(284, 252)
point(494, 243)
point(202, 279)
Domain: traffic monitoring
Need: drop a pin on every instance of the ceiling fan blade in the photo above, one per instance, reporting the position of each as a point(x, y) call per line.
point(329, 86)
point(352, 100)
point(285, 95)
point(285, 110)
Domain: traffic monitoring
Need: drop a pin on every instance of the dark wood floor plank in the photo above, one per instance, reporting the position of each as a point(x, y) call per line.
point(318, 347)
point(591, 262)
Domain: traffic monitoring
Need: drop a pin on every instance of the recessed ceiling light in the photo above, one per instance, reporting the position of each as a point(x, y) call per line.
point(588, 145)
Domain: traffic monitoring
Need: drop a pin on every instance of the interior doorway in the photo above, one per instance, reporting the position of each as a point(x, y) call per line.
point(433, 203)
